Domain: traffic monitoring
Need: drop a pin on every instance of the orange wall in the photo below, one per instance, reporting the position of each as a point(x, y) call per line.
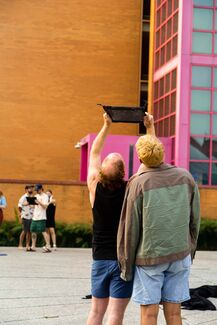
point(208, 203)
point(73, 202)
point(58, 59)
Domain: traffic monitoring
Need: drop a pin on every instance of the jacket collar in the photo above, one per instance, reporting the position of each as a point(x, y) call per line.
point(143, 169)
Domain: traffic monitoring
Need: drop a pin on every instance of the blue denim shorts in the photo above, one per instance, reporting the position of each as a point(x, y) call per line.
point(168, 282)
point(106, 281)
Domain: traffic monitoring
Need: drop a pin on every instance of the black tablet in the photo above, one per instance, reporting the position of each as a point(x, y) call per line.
point(125, 114)
point(31, 200)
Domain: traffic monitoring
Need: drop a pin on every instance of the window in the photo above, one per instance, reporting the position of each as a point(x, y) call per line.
point(165, 105)
point(203, 127)
point(215, 50)
point(204, 40)
point(215, 101)
point(203, 2)
point(215, 77)
point(215, 19)
point(200, 100)
point(214, 174)
point(166, 28)
point(201, 76)
point(200, 124)
point(214, 149)
point(202, 43)
point(214, 125)
point(199, 148)
point(203, 19)
point(200, 172)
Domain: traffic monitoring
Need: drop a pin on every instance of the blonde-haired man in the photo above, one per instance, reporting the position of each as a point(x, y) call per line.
point(158, 233)
point(150, 150)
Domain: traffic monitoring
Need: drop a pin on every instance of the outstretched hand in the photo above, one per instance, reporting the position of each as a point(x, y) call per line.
point(148, 120)
point(107, 119)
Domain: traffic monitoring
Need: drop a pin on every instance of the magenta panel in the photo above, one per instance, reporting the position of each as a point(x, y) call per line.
point(120, 144)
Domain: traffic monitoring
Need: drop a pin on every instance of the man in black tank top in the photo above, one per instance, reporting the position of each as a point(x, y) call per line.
point(106, 186)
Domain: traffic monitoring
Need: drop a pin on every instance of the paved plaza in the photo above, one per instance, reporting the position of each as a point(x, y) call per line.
point(37, 288)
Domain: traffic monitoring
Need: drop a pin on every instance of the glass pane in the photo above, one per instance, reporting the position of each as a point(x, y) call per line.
point(199, 148)
point(215, 77)
point(200, 100)
point(201, 76)
point(173, 79)
point(216, 20)
point(173, 102)
point(214, 149)
point(215, 101)
point(175, 23)
point(200, 124)
point(214, 125)
point(215, 44)
point(200, 172)
point(172, 125)
point(202, 43)
point(214, 174)
point(169, 7)
point(203, 2)
point(203, 19)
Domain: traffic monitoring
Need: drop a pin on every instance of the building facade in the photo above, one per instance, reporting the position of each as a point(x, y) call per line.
point(184, 82)
point(58, 59)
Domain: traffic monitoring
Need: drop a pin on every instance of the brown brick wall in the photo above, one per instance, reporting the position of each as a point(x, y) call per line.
point(58, 59)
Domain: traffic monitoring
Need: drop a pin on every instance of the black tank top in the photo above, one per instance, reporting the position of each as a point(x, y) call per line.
point(106, 215)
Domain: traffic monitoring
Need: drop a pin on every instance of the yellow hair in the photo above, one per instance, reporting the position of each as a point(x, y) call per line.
point(150, 150)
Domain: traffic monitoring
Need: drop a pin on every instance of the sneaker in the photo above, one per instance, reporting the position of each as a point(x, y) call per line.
point(54, 247)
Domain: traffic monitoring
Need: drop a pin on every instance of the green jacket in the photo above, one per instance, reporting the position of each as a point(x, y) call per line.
point(160, 218)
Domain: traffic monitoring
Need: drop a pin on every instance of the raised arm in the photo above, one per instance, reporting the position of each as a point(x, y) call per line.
point(149, 124)
point(95, 157)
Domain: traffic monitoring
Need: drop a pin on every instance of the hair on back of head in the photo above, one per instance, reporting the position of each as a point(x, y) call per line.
point(150, 150)
point(113, 180)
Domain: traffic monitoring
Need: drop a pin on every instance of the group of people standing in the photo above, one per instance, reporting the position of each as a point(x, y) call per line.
point(144, 232)
point(37, 214)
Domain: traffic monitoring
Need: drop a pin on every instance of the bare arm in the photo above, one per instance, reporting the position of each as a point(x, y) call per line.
point(149, 124)
point(95, 157)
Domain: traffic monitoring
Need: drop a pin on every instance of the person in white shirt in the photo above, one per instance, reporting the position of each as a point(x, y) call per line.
point(26, 213)
point(38, 224)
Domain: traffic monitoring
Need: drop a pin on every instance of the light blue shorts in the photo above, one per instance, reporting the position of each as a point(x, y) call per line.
point(167, 282)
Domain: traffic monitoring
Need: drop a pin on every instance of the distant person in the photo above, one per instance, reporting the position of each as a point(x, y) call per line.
point(38, 224)
point(158, 233)
point(50, 222)
point(3, 205)
point(26, 213)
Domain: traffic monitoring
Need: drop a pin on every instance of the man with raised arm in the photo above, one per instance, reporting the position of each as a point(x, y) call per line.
point(106, 185)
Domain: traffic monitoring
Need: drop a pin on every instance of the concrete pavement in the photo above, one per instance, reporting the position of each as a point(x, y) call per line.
point(37, 288)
